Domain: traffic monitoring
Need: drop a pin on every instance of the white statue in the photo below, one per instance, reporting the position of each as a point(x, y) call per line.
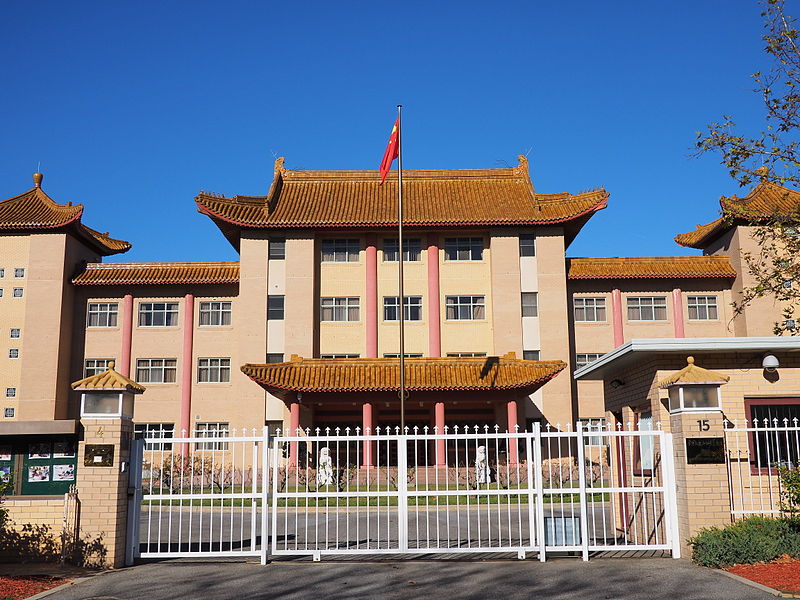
point(324, 467)
point(483, 474)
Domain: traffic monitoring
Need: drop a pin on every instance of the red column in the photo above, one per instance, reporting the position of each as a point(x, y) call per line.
point(294, 424)
point(372, 297)
point(616, 312)
point(434, 302)
point(187, 364)
point(677, 313)
point(367, 429)
point(513, 445)
point(441, 458)
point(124, 363)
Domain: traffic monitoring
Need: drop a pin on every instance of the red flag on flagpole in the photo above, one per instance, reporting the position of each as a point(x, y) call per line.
point(392, 150)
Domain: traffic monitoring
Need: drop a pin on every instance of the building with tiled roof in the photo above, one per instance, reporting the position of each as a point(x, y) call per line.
point(498, 317)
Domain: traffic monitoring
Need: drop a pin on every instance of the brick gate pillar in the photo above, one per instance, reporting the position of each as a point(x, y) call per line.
point(701, 475)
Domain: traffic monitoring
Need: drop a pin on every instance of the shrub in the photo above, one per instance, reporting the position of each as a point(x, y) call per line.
point(756, 539)
point(790, 489)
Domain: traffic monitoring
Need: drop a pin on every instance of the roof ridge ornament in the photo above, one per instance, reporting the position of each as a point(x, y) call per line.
point(37, 179)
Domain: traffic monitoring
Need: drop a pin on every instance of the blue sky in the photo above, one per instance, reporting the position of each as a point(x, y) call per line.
point(133, 107)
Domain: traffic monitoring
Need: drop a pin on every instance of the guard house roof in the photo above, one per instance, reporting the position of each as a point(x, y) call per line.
point(35, 211)
point(437, 198)
point(157, 273)
point(650, 267)
point(767, 200)
point(422, 374)
point(108, 380)
point(636, 350)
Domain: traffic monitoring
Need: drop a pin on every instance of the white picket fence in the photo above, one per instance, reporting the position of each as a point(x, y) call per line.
point(462, 490)
point(756, 452)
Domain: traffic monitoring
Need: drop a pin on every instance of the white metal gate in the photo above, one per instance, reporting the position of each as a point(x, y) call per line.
point(463, 490)
point(756, 452)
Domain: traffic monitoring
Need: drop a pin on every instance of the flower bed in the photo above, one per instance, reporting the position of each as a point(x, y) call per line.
point(782, 574)
point(19, 587)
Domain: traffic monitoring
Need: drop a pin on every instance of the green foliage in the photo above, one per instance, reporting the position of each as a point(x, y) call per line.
point(752, 540)
point(790, 490)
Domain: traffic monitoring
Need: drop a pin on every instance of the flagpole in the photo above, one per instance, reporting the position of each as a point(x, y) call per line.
point(401, 299)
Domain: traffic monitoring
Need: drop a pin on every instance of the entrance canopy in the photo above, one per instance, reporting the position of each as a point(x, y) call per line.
point(477, 374)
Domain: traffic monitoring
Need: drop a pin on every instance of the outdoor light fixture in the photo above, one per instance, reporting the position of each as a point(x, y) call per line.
point(615, 383)
point(694, 389)
point(770, 363)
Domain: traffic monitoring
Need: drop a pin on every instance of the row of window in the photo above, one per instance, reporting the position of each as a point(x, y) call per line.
point(15, 292)
point(19, 273)
point(455, 249)
point(166, 431)
point(646, 308)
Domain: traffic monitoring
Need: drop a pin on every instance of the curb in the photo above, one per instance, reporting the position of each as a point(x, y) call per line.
point(63, 586)
point(758, 586)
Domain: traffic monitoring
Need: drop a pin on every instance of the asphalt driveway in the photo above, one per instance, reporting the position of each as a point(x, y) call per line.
point(600, 578)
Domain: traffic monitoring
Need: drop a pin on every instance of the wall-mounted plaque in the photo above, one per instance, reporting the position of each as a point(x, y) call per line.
point(98, 455)
point(705, 451)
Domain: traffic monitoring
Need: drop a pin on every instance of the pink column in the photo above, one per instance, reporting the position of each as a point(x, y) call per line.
point(372, 297)
point(677, 313)
point(434, 302)
point(186, 365)
point(513, 447)
point(124, 363)
point(441, 458)
point(294, 424)
point(616, 312)
point(367, 429)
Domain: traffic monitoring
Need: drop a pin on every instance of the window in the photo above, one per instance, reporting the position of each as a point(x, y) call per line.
point(19, 273)
point(412, 308)
point(412, 250)
point(645, 455)
point(158, 314)
point(340, 250)
point(647, 308)
point(589, 309)
point(339, 309)
point(530, 304)
point(702, 308)
point(595, 425)
point(11, 392)
point(530, 355)
point(2, 272)
point(215, 313)
point(274, 357)
point(773, 447)
point(405, 354)
point(15, 333)
point(8, 413)
point(581, 360)
point(17, 293)
point(13, 353)
point(102, 314)
point(275, 308)
point(527, 244)
point(466, 354)
point(338, 355)
point(790, 324)
point(155, 431)
point(211, 430)
point(465, 308)
point(277, 248)
point(213, 370)
point(468, 248)
point(93, 366)
point(156, 370)
point(1, 292)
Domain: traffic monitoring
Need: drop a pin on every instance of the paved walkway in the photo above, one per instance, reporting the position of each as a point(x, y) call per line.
point(557, 579)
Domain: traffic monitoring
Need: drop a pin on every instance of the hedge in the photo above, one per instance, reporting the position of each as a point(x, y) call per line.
point(751, 540)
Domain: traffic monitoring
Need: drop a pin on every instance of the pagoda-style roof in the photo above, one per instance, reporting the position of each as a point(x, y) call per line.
point(108, 380)
point(157, 273)
point(422, 374)
point(693, 374)
point(766, 201)
point(34, 211)
point(439, 198)
point(650, 267)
